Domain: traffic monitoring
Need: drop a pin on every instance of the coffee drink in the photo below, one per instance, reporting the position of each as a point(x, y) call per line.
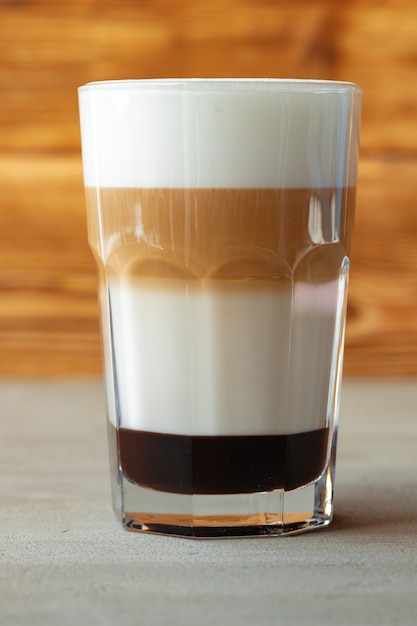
point(220, 215)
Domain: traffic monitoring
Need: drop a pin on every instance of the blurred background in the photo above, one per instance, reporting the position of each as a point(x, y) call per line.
point(48, 308)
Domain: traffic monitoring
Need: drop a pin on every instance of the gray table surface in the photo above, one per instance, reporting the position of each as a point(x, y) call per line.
point(64, 558)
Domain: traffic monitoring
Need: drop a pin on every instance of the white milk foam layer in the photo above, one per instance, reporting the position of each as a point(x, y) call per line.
point(225, 360)
point(219, 133)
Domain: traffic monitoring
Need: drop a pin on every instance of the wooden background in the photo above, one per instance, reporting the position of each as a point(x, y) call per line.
point(48, 308)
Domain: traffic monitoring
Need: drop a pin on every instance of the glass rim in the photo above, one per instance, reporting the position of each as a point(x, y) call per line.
point(223, 84)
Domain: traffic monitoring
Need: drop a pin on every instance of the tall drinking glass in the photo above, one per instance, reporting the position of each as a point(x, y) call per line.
point(220, 215)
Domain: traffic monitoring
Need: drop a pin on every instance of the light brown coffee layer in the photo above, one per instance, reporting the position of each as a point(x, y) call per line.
point(221, 233)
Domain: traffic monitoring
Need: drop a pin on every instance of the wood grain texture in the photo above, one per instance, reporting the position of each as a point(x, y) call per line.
point(48, 309)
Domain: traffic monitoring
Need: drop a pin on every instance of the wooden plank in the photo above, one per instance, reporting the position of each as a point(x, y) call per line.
point(48, 309)
point(381, 337)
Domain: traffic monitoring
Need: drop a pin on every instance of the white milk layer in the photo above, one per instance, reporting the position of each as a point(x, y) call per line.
point(223, 134)
point(204, 358)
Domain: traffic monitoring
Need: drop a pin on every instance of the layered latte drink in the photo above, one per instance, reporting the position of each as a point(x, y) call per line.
point(220, 215)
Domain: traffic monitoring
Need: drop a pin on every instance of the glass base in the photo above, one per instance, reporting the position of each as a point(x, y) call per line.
point(267, 513)
point(238, 515)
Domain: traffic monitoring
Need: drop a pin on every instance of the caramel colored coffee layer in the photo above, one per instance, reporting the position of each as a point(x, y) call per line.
point(220, 233)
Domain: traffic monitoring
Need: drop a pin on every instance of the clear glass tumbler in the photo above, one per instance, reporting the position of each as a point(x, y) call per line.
point(220, 215)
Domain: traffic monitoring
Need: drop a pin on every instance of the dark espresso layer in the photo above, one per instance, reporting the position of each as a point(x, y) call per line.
point(221, 465)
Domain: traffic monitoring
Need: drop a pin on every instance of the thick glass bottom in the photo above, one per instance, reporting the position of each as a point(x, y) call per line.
point(262, 513)
point(238, 515)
